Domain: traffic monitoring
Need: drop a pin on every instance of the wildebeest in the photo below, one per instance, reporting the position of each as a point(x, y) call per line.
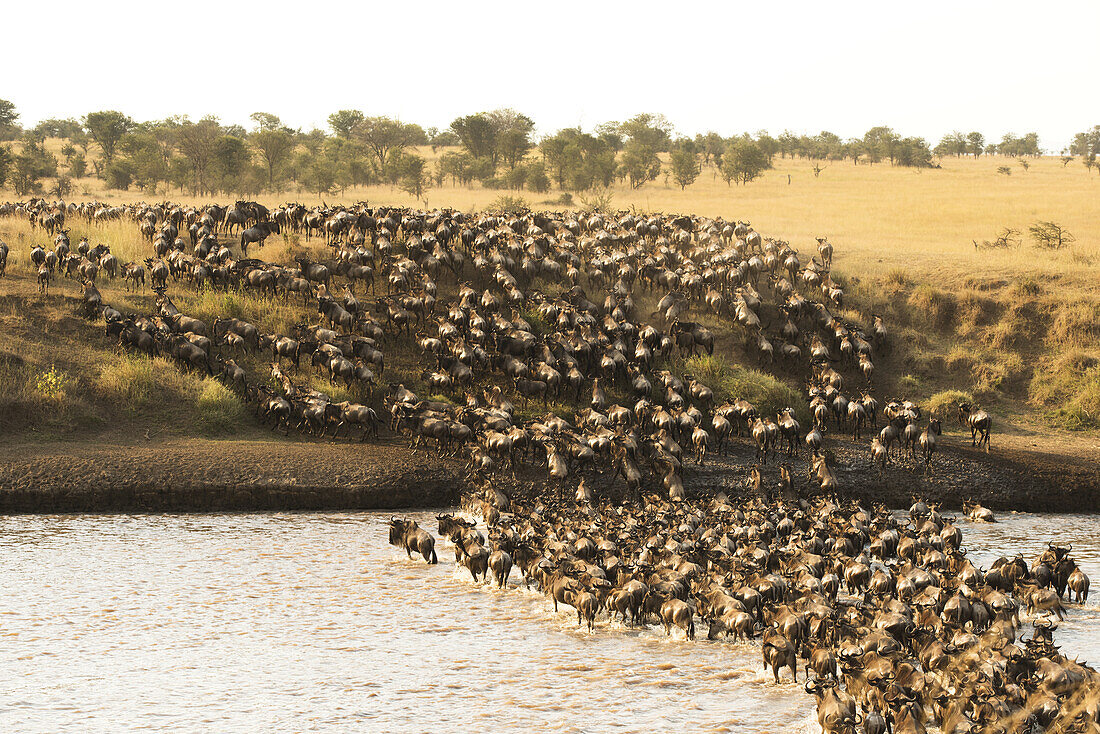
point(410, 536)
point(978, 421)
point(257, 233)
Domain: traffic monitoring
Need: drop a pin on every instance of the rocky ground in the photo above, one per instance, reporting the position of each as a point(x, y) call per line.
point(191, 474)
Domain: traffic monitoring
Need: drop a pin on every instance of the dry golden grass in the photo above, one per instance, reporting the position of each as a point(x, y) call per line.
point(880, 217)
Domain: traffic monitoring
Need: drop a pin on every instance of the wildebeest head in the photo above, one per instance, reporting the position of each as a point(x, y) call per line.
point(397, 530)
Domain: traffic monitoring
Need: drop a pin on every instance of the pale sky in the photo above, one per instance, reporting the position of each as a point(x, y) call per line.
point(922, 68)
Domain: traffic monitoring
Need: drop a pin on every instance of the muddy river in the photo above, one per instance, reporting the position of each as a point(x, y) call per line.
point(305, 622)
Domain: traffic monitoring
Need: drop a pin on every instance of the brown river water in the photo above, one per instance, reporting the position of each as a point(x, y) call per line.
point(311, 622)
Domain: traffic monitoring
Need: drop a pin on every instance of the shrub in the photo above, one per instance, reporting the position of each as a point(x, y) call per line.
point(1081, 258)
point(537, 322)
point(598, 200)
point(899, 277)
point(1026, 287)
point(1009, 237)
point(506, 204)
point(219, 408)
point(52, 383)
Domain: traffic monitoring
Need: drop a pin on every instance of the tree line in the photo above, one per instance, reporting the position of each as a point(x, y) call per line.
point(498, 148)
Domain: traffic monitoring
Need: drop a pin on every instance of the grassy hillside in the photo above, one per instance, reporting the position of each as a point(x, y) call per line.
point(1017, 329)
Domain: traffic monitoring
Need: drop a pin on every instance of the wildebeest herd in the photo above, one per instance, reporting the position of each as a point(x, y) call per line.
point(503, 310)
point(889, 624)
point(465, 290)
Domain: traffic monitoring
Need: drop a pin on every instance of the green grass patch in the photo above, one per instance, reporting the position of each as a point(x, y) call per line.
point(909, 382)
point(734, 381)
point(136, 383)
point(219, 410)
point(944, 404)
point(1068, 388)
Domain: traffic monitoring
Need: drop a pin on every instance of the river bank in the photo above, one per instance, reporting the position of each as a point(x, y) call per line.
point(201, 475)
point(263, 474)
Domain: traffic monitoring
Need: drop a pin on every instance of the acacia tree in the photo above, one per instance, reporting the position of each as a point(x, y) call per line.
point(640, 164)
point(743, 161)
point(513, 135)
point(684, 166)
point(29, 168)
point(413, 177)
point(144, 162)
point(579, 160)
point(975, 144)
point(441, 138)
point(383, 136)
point(9, 120)
point(1050, 236)
point(880, 142)
point(344, 122)
point(913, 152)
point(107, 128)
point(197, 143)
point(1086, 144)
point(231, 164)
point(5, 163)
point(275, 147)
point(266, 121)
point(478, 135)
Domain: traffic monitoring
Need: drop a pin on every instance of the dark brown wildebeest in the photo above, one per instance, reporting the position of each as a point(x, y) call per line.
point(410, 536)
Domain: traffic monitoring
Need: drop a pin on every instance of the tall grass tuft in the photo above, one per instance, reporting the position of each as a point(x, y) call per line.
point(935, 307)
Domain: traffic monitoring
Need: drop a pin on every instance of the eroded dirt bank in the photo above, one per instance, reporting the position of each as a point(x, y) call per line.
point(206, 475)
point(210, 475)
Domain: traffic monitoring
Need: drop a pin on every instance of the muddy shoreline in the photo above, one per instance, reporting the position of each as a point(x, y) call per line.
point(197, 475)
